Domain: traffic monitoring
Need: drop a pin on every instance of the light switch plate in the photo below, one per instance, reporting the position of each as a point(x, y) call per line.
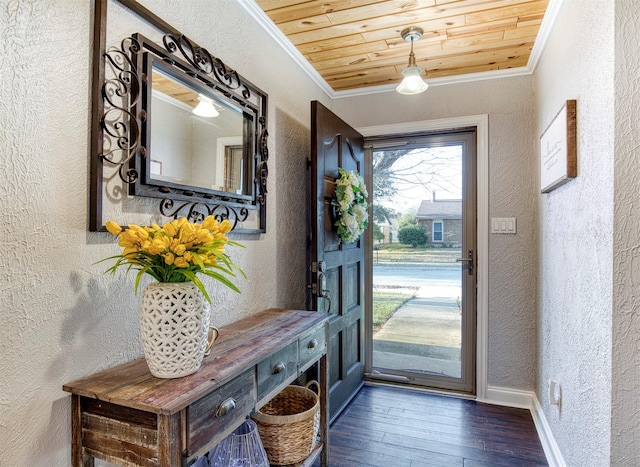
point(503, 225)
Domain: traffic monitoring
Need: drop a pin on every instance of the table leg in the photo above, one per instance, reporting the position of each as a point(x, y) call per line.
point(78, 459)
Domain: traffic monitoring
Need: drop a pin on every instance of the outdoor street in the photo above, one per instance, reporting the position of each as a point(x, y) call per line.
point(434, 275)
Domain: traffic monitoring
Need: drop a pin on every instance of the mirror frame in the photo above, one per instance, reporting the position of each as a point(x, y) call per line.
point(123, 142)
point(150, 56)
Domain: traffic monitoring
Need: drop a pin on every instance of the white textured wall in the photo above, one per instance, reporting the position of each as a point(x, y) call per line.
point(512, 165)
point(625, 371)
point(293, 142)
point(576, 234)
point(61, 317)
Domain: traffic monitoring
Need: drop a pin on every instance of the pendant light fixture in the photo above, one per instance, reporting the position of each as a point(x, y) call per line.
point(412, 83)
point(205, 107)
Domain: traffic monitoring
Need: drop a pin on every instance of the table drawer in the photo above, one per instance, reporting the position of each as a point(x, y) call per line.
point(214, 416)
point(312, 345)
point(276, 368)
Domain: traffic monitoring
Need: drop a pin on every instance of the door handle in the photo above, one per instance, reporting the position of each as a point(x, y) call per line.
point(319, 288)
point(323, 292)
point(468, 261)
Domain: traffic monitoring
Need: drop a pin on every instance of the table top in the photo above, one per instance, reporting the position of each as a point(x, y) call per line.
point(240, 345)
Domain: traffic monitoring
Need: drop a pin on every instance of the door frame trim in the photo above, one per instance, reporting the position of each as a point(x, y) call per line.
point(481, 122)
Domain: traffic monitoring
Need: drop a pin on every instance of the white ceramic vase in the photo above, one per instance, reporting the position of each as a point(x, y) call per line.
point(174, 325)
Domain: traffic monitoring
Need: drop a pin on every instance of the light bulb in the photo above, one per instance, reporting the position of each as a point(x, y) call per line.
point(412, 83)
point(205, 107)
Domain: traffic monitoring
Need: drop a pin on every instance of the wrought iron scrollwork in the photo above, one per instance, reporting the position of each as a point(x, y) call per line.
point(120, 94)
point(262, 171)
point(197, 211)
point(202, 60)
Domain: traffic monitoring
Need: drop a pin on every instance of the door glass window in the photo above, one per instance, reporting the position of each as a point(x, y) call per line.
point(423, 282)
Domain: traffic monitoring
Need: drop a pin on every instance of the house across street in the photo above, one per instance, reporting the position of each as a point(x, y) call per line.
point(441, 220)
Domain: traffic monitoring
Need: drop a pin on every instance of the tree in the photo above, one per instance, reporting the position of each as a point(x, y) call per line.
point(407, 220)
point(434, 168)
point(384, 183)
point(378, 234)
point(412, 235)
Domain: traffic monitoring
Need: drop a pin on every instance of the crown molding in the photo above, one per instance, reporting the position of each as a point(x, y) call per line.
point(536, 52)
point(433, 82)
point(549, 19)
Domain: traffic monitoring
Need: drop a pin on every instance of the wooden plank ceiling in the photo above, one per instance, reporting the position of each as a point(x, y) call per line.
point(357, 43)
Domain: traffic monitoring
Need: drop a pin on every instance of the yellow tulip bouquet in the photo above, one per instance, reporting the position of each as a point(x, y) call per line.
point(177, 252)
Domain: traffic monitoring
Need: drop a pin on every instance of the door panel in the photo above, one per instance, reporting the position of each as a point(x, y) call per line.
point(336, 271)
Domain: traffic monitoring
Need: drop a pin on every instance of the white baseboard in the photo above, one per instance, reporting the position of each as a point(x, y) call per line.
point(509, 397)
point(551, 449)
point(528, 400)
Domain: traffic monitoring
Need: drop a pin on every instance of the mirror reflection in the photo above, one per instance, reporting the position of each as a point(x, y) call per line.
point(196, 140)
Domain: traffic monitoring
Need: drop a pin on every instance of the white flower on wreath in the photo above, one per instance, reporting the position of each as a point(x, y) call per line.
point(349, 221)
point(351, 203)
point(360, 213)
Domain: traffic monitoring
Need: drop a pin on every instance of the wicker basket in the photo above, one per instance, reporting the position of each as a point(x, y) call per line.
point(288, 424)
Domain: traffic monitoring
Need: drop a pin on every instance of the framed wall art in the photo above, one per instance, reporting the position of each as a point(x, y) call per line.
point(558, 152)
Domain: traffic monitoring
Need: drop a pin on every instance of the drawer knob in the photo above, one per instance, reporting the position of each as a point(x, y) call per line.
point(279, 368)
point(313, 344)
point(226, 407)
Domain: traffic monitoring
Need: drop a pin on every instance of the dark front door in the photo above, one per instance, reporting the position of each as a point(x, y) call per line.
point(337, 268)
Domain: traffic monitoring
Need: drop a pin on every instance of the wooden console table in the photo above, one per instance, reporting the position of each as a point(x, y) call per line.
point(127, 416)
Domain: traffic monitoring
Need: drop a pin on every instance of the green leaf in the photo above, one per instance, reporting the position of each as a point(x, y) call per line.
point(193, 278)
point(222, 279)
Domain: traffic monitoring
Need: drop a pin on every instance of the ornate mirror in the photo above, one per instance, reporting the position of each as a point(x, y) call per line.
point(176, 124)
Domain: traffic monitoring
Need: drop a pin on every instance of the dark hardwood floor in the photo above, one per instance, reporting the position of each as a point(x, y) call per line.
point(391, 427)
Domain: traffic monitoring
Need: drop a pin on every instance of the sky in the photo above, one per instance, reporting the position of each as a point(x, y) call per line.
point(424, 171)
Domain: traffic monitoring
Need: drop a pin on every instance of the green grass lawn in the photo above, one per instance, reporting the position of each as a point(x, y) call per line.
point(385, 303)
